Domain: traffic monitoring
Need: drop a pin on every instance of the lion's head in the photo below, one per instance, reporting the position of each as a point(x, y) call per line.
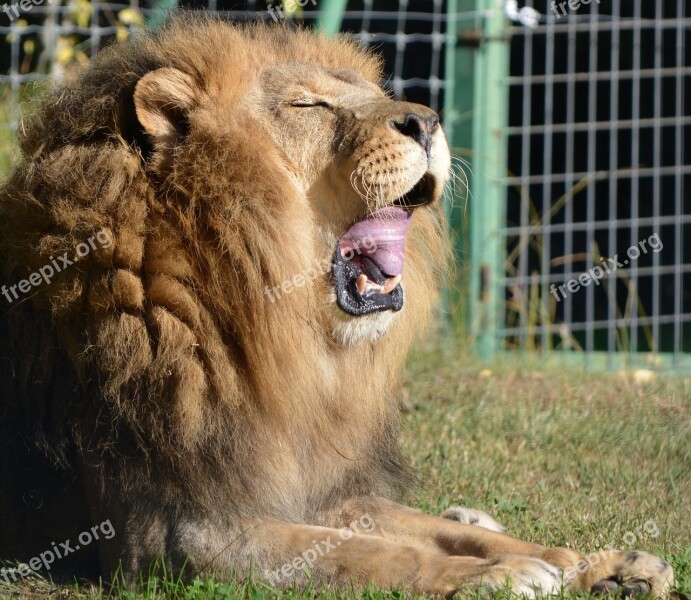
point(275, 246)
point(359, 162)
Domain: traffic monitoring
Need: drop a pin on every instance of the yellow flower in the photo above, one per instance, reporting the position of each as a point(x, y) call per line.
point(21, 24)
point(81, 12)
point(131, 17)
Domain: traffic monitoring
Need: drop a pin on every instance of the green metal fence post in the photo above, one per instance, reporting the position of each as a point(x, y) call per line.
point(458, 127)
point(476, 71)
point(158, 15)
point(331, 15)
point(488, 201)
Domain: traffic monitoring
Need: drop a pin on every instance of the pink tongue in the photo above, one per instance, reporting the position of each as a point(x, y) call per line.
point(380, 237)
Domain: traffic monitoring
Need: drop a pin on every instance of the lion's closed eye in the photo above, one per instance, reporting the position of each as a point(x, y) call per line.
point(309, 103)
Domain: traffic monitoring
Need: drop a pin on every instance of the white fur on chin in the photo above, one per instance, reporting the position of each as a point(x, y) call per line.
point(349, 329)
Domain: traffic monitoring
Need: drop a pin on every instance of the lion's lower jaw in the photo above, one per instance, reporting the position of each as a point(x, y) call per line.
point(349, 330)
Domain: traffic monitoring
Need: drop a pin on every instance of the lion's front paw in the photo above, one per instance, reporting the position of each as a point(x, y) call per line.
point(631, 573)
point(472, 516)
point(525, 575)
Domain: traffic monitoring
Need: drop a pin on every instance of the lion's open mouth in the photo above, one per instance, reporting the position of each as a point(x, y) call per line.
point(368, 262)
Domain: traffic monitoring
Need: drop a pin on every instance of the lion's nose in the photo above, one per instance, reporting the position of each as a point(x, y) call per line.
point(418, 127)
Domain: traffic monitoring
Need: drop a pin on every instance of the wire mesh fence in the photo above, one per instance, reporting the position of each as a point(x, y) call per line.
point(598, 187)
point(43, 42)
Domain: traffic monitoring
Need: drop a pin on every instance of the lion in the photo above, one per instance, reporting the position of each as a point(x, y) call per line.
point(217, 250)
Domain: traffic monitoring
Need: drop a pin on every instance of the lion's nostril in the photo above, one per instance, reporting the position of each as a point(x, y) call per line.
point(419, 128)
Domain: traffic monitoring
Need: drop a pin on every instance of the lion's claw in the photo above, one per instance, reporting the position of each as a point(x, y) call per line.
point(613, 588)
point(635, 588)
point(605, 586)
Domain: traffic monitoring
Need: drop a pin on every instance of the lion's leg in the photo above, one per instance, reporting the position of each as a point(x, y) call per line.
point(388, 546)
point(400, 523)
point(287, 552)
point(403, 524)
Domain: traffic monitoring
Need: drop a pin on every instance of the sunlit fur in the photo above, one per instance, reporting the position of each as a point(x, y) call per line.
point(157, 368)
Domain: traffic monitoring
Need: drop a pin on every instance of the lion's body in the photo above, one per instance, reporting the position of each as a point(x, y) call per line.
point(161, 358)
point(154, 382)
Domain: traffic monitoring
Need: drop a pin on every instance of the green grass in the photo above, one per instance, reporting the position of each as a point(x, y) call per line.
point(561, 458)
point(9, 148)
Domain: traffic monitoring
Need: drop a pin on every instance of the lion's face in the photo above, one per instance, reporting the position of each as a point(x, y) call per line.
point(366, 163)
point(360, 163)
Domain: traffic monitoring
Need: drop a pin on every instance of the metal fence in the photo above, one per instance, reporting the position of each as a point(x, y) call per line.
point(575, 123)
point(599, 161)
point(43, 42)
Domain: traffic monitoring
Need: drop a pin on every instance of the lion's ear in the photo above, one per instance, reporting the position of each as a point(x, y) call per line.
point(163, 100)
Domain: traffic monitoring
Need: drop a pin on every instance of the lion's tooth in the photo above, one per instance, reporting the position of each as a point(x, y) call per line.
point(362, 283)
point(390, 284)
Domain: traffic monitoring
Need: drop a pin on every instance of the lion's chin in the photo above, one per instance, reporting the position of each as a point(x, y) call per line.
point(349, 330)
